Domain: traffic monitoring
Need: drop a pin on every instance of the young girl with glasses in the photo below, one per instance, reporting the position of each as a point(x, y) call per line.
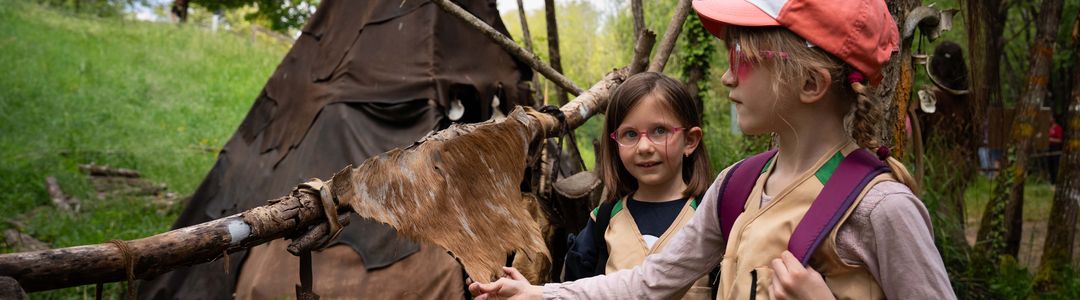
point(654, 168)
point(799, 69)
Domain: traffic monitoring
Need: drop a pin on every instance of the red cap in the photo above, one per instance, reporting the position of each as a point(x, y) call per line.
point(862, 33)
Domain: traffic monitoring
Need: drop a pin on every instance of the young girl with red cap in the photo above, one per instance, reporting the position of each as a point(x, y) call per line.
point(819, 217)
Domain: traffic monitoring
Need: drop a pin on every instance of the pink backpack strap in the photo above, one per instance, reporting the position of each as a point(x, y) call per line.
point(737, 185)
point(847, 182)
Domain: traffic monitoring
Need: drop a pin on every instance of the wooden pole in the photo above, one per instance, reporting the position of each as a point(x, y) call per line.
point(527, 37)
point(66, 267)
point(554, 55)
point(670, 36)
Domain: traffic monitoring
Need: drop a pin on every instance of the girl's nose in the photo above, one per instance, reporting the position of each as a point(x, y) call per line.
point(645, 145)
point(728, 79)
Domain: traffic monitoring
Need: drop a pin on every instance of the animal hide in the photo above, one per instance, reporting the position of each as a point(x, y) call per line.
point(458, 188)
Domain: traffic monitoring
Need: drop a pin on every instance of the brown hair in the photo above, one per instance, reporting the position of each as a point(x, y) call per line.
point(801, 62)
point(674, 95)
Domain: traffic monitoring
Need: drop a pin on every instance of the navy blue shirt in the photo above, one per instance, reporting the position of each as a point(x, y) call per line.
point(651, 218)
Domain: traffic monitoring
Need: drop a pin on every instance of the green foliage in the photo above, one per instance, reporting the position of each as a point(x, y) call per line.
point(77, 89)
point(1012, 280)
point(278, 15)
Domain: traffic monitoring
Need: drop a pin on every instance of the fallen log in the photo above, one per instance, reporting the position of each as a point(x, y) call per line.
point(107, 171)
point(63, 202)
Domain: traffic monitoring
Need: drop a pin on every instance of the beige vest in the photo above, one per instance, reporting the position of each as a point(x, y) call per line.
point(761, 234)
point(627, 249)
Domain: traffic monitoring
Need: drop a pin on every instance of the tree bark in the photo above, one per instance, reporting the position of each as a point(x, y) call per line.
point(1061, 228)
point(1023, 131)
point(642, 47)
point(682, 10)
point(894, 92)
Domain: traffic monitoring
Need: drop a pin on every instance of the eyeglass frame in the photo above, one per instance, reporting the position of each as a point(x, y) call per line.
point(736, 58)
point(645, 133)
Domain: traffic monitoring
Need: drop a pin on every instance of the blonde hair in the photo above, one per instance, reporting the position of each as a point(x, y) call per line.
point(802, 60)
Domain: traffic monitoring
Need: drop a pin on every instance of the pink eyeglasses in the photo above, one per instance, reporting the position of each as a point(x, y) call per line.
point(659, 135)
point(741, 64)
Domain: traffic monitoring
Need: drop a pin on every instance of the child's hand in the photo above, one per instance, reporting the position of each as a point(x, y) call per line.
point(793, 281)
point(513, 286)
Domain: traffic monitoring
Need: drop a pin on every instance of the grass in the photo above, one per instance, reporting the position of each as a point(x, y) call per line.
point(79, 89)
point(1038, 197)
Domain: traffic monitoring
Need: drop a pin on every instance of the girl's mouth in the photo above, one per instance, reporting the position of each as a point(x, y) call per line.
point(648, 164)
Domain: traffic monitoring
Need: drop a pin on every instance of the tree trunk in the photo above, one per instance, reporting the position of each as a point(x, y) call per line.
point(638, 12)
point(1023, 131)
point(527, 37)
point(697, 59)
point(682, 10)
point(894, 92)
point(553, 46)
point(1061, 228)
point(571, 162)
point(985, 49)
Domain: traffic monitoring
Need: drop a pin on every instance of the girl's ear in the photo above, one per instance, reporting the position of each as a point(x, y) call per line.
point(693, 139)
point(816, 86)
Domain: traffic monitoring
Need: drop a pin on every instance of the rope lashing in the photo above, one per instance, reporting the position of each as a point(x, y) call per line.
point(129, 258)
point(329, 205)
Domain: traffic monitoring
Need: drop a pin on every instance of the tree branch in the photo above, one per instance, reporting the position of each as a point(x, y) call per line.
point(670, 36)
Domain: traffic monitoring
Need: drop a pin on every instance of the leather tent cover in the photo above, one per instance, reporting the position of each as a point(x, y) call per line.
point(364, 77)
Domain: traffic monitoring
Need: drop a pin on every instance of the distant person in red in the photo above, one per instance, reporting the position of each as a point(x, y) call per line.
point(1057, 137)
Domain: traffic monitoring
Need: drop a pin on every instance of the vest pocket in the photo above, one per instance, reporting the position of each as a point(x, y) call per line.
point(760, 278)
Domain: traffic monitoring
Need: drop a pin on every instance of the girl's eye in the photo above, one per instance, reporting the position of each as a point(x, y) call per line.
point(660, 131)
point(630, 134)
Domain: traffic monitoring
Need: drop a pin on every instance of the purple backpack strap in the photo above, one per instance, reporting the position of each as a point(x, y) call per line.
point(737, 185)
point(846, 183)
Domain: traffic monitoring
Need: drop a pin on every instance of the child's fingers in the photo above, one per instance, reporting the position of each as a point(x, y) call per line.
point(484, 288)
point(513, 273)
point(776, 292)
point(474, 288)
point(779, 270)
point(793, 264)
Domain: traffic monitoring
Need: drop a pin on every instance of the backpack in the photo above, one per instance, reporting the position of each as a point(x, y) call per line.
point(848, 181)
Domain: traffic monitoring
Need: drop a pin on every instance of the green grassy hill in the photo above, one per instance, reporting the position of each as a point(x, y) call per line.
point(74, 89)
